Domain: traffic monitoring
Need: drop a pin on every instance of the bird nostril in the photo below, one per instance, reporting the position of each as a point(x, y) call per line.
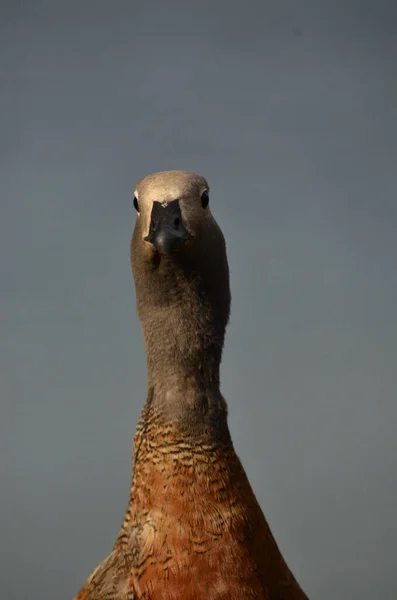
point(176, 222)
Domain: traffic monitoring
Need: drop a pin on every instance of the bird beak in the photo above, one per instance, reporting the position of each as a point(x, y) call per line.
point(166, 229)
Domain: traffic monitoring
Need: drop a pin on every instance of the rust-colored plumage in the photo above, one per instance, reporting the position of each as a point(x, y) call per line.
point(193, 528)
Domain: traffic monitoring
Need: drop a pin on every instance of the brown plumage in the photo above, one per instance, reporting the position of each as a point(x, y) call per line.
point(193, 529)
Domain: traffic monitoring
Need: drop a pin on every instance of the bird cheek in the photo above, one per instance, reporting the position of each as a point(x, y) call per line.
point(145, 226)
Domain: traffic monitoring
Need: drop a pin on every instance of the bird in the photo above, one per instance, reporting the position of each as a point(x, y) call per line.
point(193, 528)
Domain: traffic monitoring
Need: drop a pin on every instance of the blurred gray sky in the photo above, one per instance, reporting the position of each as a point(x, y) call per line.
point(289, 110)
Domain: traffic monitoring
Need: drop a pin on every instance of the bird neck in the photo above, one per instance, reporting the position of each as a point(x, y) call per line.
point(183, 316)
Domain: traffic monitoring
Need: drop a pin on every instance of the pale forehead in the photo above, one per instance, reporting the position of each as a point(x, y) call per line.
point(169, 185)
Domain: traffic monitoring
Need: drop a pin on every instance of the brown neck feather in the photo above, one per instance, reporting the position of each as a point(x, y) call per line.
point(183, 304)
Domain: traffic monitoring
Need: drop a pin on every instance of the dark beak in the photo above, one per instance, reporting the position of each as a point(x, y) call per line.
point(166, 230)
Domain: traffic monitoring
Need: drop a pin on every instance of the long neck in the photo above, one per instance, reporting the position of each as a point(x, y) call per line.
point(183, 314)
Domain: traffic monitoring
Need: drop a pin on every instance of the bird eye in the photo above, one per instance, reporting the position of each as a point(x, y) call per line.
point(205, 199)
point(136, 205)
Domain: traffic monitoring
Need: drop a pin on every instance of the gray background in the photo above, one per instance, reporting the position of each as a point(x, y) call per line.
point(289, 110)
